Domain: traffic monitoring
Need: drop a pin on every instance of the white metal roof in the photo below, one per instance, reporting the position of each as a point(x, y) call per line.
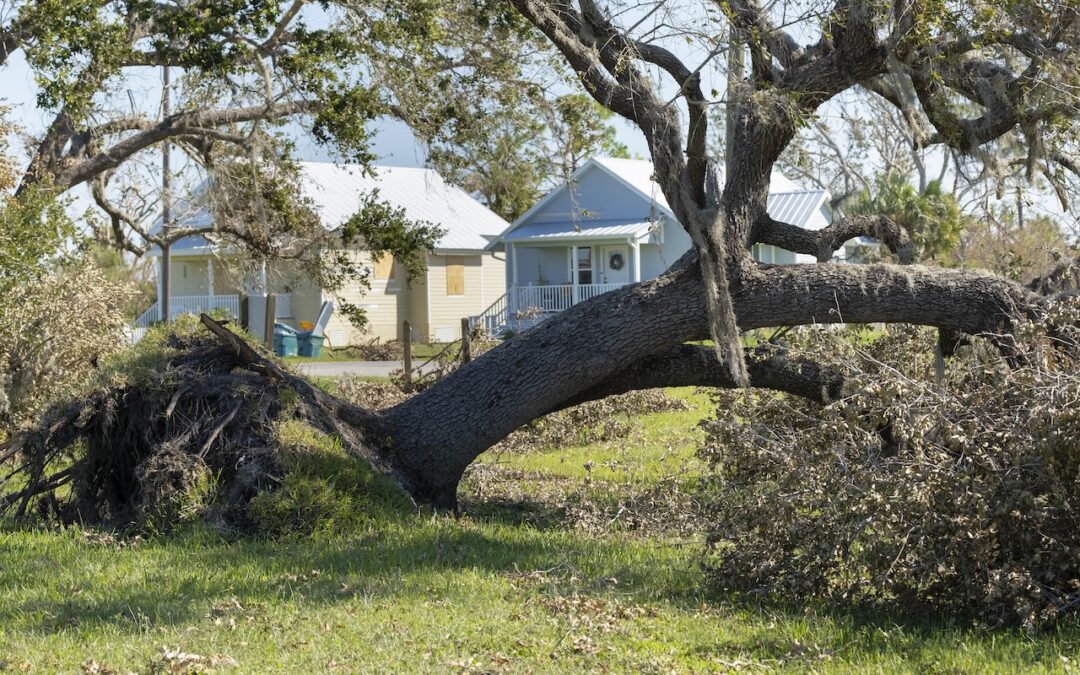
point(336, 190)
point(785, 195)
point(639, 174)
point(564, 231)
point(798, 208)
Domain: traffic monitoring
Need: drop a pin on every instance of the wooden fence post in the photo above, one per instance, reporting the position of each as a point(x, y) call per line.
point(406, 335)
point(466, 341)
point(245, 320)
point(271, 314)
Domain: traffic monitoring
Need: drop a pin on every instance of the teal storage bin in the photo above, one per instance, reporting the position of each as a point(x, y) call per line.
point(285, 342)
point(310, 345)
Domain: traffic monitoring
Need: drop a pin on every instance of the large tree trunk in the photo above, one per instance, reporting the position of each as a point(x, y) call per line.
point(432, 437)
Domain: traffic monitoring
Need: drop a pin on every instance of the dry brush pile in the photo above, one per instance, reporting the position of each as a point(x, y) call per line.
point(951, 487)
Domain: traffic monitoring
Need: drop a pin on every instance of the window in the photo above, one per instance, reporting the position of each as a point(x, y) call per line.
point(584, 265)
point(764, 253)
point(383, 266)
point(455, 277)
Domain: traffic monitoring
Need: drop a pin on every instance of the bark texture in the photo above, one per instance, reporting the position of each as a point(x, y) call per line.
point(584, 353)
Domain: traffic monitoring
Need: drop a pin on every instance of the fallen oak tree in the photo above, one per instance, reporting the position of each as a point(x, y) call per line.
point(634, 336)
point(211, 404)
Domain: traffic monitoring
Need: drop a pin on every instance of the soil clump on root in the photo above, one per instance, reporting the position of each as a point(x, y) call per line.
point(187, 429)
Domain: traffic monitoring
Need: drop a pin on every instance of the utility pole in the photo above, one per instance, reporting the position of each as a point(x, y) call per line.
point(166, 204)
point(735, 72)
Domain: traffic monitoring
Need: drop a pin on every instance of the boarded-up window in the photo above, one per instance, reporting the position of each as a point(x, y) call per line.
point(384, 265)
point(455, 277)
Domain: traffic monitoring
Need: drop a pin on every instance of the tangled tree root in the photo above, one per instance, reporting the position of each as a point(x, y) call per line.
point(195, 434)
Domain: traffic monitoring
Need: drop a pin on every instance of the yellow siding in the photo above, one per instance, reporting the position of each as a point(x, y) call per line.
point(190, 276)
point(445, 310)
point(494, 278)
point(386, 305)
point(418, 309)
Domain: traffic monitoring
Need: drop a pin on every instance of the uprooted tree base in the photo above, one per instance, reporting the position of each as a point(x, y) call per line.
point(205, 426)
point(204, 415)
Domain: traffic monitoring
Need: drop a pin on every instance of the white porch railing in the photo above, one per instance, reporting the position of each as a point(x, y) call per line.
point(557, 298)
point(190, 304)
point(195, 304)
point(495, 318)
point(522, 307)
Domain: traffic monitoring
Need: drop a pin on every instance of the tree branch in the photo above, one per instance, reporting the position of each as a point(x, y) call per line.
point(824, 242)
point(192, 123)
point(688, 365)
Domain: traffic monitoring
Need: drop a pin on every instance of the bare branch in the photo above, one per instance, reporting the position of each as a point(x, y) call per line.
point(824, 242)
point(689, 365)
point(193, 123)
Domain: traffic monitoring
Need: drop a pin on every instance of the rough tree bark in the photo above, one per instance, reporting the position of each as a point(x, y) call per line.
point(600, 345)
point(633, 337)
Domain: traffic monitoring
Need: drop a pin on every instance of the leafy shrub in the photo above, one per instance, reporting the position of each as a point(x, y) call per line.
point(959, 497)
point(52, 335)
point(58, 312)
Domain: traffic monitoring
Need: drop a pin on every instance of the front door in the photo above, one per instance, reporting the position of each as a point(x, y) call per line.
point(614, 264)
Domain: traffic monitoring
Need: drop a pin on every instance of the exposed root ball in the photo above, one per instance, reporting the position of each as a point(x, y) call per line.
point(187, 432)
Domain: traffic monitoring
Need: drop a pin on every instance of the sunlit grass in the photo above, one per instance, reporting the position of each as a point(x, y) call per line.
point(414, 592)
point(661, 445)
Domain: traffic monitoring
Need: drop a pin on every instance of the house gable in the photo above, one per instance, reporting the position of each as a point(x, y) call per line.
point(595, 196)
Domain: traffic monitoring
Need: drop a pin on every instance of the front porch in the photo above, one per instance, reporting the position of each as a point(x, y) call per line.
point(197, 304)
point(548, 279)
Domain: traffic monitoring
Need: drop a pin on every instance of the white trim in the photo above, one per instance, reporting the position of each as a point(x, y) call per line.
point(587, 166)
point(635, 275)
point(210, 276)
point(570, 238)
point(575, 269)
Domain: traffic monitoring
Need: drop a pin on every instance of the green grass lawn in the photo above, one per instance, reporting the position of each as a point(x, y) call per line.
point(420, 350)
point(526, 581)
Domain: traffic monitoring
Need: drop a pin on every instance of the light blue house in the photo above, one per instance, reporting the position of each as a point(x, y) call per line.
point(608, 227)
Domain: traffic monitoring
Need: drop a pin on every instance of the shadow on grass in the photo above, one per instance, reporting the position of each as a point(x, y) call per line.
point(176, 581)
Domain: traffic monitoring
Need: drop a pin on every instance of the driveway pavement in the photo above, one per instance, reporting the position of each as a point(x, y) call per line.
point(347, 368)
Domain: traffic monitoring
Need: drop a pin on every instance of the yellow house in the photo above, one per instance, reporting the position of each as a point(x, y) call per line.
point(466, 271)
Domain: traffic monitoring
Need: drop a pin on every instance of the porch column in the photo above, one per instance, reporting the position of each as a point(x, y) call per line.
point(574, 273)
point(514, 278)
point(210, 279)
point(636, 271)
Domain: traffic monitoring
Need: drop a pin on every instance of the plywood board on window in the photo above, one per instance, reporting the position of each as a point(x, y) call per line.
point(455, 277)
point(383, 266)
